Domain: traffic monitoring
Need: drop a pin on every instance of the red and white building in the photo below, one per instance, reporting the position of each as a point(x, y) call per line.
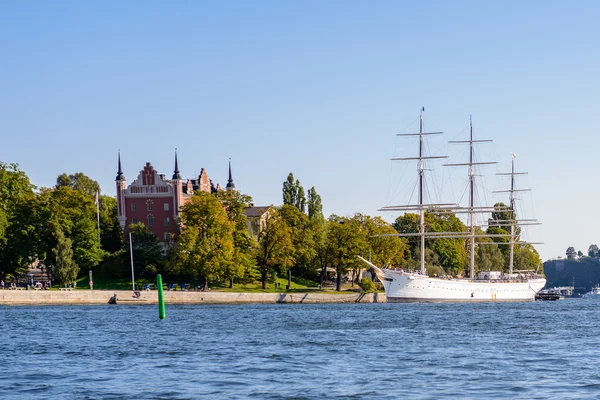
point(156, 201)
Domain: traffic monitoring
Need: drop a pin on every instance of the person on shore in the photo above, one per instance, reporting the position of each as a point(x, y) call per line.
point(2, 284)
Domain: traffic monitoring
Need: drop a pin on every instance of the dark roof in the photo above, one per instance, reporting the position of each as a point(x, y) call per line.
point(176, 175)
point(252, 212)
point(230, 184)
point(120, 175)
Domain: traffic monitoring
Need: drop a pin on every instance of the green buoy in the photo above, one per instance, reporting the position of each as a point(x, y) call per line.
point(161, 298)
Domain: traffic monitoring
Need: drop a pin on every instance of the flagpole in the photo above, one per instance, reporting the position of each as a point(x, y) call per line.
point(98, 214)
point(131, 253)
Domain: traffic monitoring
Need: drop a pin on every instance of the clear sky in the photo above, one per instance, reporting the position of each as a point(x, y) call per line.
point(317, 88)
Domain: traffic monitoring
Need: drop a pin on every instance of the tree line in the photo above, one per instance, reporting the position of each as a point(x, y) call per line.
point(57, 227)
point(592, 252)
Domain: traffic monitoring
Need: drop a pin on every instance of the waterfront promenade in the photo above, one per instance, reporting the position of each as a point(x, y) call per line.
point(55, 297)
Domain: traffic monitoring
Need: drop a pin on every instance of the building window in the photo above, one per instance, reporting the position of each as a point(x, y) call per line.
point(133, 207)
point(150, 221)
point(166, 207)
point(133, 220)
point(149, 206)
point(166, 221)
point(167, 236)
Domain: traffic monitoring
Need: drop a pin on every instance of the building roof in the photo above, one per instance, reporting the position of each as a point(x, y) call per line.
point(253, 212)
point(230, 184)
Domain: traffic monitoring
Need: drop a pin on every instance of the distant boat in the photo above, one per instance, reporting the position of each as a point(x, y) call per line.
point(549, 295)
point(401, 285)
point(593, 294)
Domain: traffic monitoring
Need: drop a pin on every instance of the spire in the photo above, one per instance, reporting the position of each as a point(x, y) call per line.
point(176, 174)
point(120, 176)
point(230, 184)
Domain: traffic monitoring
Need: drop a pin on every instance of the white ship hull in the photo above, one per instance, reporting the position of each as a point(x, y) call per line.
point(403, 287)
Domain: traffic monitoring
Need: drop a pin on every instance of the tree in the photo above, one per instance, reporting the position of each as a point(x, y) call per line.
point(205, 246)
point(275, 247)
point(147, 253)
point(388, 251)
point(111, 234)
point(526, 257)
point(65, 268)
point(593, 251)
point(346, 240)
point(489, 257)
point(72, 212)
point(293, 193)
point(290, 191)
point(302, 240)
point(242, 266)
point(580, 254)
point(451, 251)
point(571, 253)
point(301, 203)
point(18, 233)
point(315, 208)
point(502, 215)
point(79, 181)
point(321, 257)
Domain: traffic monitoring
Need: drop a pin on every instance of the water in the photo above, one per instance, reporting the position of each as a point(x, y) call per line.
point(415, 351)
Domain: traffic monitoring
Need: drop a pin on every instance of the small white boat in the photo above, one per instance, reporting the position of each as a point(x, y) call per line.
point(594, 293)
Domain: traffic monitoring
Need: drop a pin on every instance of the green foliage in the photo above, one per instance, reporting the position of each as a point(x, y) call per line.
point(146, 251)
point(18, 233)
point(275, 247)
point(72, 212)
point(290, 192)
point(321, 258)
point(526, 257)
point(115, 265)
point(489, 258)
point(450, 253)
point(315, 208)
point(293, 193)
point(111, 234)
point(346, 240)
point(387, 251)
point(435, 270)
point(242, 267)
point(65, 268)
point(79, 181)
point(205, 247)
point(499, 216)
point(367, 285)
point(302, 239)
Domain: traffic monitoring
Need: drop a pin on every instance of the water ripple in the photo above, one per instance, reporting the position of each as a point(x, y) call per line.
point(308, 351)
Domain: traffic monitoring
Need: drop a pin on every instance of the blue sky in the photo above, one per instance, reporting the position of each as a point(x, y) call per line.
point(317, 88)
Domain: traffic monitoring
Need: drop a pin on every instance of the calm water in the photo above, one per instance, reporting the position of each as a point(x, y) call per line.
point(527, 350)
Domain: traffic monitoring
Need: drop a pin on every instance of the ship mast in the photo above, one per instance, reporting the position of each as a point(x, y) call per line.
point(472, 200)
point(421, 210)
point(471, 209)
point(512, 221)
point(421, 206)
point(512, 216)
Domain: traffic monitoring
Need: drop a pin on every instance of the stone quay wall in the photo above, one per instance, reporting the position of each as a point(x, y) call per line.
point(56, 297)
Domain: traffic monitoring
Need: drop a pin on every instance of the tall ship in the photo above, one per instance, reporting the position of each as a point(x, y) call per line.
point(402, 285)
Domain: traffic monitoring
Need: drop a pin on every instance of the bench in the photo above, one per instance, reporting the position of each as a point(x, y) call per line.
point(62, 289)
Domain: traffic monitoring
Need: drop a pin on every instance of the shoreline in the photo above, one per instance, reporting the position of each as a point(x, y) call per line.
point(96, 297)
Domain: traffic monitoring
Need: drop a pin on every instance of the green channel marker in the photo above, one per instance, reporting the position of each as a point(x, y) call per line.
point(161, 298)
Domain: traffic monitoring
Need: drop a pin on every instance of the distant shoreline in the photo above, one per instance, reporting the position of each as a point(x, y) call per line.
point(95, 297)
